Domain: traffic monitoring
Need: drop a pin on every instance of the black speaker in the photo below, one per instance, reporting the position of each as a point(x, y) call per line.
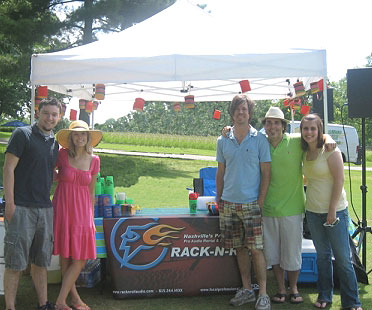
point(318, 104)
point(198, 186)
point(359, 92)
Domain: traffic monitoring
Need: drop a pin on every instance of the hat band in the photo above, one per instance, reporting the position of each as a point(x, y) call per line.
point(79, 127)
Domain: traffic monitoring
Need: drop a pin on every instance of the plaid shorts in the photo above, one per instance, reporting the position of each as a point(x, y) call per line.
point(241, 225)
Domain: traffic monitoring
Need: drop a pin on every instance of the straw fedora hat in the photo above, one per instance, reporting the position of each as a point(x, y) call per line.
point(275, 112)
point(62, 135)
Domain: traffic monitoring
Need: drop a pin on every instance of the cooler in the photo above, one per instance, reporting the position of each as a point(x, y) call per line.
point(309, 269)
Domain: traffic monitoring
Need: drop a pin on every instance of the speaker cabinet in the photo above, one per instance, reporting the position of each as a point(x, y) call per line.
point(359, 92)
point(318, 104)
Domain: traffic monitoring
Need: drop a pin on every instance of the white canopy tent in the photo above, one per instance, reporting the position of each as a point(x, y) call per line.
point(181, 50)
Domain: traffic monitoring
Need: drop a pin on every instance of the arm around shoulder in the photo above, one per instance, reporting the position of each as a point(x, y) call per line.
point(329, 143)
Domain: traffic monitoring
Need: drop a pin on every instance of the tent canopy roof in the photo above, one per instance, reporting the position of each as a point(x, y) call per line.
point(178, 51)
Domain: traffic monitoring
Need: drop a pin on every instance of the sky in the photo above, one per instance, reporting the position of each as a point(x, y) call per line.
point(342, 28)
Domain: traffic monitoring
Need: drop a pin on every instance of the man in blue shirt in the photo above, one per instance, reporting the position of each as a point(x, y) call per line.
point(242, 180)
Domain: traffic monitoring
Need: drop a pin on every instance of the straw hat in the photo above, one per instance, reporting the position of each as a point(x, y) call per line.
point(62, 135)
point(275, 112)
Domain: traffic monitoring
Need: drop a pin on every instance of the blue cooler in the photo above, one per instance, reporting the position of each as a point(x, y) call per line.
point(309, 269)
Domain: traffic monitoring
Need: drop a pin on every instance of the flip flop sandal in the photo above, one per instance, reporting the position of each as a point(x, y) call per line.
point(62, 307)
point(293, 297)
point(277, 298)
point(80, 307)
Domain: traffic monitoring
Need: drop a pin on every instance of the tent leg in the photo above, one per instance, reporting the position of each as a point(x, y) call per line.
point(32, 104)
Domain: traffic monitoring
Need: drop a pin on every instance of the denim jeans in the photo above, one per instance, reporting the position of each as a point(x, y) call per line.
point(328, 242)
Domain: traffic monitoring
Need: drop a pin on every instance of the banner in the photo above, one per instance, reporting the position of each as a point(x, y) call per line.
point(151, 256)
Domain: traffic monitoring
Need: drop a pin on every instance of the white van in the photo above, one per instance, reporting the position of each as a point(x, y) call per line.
point(336, 131)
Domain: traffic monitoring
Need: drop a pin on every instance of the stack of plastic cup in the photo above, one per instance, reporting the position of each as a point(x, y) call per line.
point(192, 202)
point(109, 186)
point(102, 182)
point(98, 189)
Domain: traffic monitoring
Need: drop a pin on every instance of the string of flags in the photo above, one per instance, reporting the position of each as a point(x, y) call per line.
point(294, 103)
point(99, 92)
point(90, 105)
point(189, 101)
point(299, 103)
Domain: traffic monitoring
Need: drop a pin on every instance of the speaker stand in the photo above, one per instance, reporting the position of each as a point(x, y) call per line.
point(362, 228)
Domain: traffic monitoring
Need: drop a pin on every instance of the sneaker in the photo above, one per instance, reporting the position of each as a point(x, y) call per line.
point(47, 306)
point(263, 302)
point(242, 297)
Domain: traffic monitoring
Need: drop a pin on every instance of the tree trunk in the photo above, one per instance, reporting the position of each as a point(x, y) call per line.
point(88, 23)
point(87, 38)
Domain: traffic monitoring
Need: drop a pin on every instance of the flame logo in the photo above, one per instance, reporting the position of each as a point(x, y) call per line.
point(157, 232)
point(153, 235)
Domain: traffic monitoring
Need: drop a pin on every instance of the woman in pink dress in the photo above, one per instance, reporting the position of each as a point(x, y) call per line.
point(73, 203)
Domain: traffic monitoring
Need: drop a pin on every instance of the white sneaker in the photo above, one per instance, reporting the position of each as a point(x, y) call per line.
point(263, 302)
point(243, 296)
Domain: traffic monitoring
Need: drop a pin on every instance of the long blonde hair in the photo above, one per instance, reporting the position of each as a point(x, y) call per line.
point(72, 147)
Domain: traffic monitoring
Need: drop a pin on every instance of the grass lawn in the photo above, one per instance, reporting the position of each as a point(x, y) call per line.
point(5, 134)
point(155, 149)
point(163, 183)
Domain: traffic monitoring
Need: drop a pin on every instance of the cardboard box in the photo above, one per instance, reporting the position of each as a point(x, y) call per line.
point(90, 275)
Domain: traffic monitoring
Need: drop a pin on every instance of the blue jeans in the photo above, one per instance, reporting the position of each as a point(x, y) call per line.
point(328, 242)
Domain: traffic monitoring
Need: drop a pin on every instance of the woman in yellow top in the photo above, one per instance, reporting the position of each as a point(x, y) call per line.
point(327, 215)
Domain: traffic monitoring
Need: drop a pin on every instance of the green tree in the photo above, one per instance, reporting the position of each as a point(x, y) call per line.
point(33, 26)
point(160, 117)
point(85, 21)
point(369, 61)
point(24, 27)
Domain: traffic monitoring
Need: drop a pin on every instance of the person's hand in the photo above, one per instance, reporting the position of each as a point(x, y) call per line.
point(9, 210)
point(330, 146)
point(225, 131)
point(55, 175)
point(260, 202)
point(331, 218)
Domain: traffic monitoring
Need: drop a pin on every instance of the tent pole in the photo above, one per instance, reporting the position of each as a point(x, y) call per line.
point(325, 104)
point(292, 120)
point(32, 103)
point(92, 119)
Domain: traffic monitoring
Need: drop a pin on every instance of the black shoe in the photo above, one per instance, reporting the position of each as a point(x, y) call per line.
point(47, 306)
